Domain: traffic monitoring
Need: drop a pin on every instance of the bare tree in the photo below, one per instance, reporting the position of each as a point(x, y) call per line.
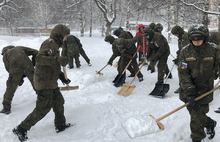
point(108, 8)
point(8, 10)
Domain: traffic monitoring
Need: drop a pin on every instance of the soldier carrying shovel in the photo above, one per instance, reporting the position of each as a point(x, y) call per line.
point(127, 51)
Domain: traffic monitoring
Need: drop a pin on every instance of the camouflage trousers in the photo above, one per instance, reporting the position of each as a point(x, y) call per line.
point(83, 54)
point(46, 100)
point(133, 67)
point(70, 60)
point(199, 121)
point(14, 80)
point(162, 68)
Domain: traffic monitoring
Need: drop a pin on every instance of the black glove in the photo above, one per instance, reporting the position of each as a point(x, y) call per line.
point(109, 63)
point(63, 79)
point(22, 80)
point(191, 101)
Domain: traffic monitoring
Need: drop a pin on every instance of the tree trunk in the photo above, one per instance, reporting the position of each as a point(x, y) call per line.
point(108, 28)
point(91, 20)
point(81, 25)
point(205, 20)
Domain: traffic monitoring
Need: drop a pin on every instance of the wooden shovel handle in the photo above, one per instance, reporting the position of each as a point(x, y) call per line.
point(102, 68)
point(186, 104)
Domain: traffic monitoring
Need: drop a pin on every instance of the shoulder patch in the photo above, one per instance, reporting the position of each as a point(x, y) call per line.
point(191, 59)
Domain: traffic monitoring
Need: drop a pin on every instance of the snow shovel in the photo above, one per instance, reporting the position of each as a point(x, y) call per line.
point(127, 89)
point(67, 87)
point(143, 125)
point(161, 89)
point(99, 72)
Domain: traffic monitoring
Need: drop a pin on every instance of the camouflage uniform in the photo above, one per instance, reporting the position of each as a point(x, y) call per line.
point(18, 65)
point(46, 74)
point(125, 49)
point(197, 70)
point(182, 40)
point(160, 45)
point(72, 50)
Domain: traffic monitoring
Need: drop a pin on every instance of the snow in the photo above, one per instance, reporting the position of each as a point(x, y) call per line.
point(96, 110)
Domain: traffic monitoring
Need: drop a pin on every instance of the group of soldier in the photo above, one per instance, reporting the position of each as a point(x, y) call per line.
point(198, 62)
point(43, 70)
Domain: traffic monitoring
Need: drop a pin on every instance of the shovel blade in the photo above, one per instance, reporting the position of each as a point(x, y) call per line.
point(160, 90)
point(126, 90)
point(68, 88)
point(140, 125)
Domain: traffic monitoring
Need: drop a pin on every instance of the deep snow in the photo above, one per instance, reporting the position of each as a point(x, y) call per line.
point(96, 109)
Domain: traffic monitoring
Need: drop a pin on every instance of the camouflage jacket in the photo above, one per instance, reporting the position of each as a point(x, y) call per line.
point(161, 45)
point(183, 40)
point(16, 60)
point(73, 45)
point(48, 62)
point(197, 70)
point(123, 47)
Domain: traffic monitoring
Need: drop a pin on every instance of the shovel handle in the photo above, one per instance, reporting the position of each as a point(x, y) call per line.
point(217, 86)
point(99, 72)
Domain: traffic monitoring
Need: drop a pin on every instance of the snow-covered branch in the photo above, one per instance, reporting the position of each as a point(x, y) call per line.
point(6, 3)
point(77, 2)
point(200, 9)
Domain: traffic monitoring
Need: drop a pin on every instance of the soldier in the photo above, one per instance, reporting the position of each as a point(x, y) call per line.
point(142, 45)
point(198, 63)
point(120, 33)
point(74, 50)
point(18, 65)
point(182, 41)
point(126, 50)
point(47, 72)
point(159, 42)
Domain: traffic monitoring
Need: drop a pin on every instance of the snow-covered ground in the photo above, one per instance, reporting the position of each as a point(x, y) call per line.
point(96, 109)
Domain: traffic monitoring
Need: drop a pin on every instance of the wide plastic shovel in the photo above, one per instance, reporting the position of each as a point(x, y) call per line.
point(67, 87)
point(99, 72)
point(143, 125)
point(161, 89)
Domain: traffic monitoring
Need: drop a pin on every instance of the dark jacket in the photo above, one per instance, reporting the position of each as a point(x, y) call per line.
point(161, 45)
point(197, 70)
point(48, 62)
point(16, 59)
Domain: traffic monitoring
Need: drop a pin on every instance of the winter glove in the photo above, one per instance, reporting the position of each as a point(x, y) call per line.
point(109, 63)
point(22, 80)
point(63, 79)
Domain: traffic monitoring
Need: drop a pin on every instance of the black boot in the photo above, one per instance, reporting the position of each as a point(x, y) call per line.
point(62, 127)
point(177, 91)
point(120, 81)
point(217, 111)
point(210, 130)
point(116, 78)
point(170, 76)
point(6, 110)
point(21, 133)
